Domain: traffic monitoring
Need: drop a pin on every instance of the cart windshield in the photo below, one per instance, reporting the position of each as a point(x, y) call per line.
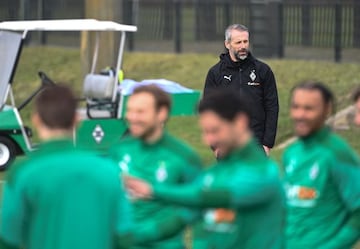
point(9, 47)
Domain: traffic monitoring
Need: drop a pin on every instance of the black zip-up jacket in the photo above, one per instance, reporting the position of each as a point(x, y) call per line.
point(256, 80)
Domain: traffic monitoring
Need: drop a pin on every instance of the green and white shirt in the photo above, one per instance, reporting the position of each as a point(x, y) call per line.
point(241, 199)
point(166, 161)
point(322, 181)
point(64, 198)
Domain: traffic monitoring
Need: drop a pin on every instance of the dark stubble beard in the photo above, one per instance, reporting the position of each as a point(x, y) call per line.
point(148, 133)
point(241, 57)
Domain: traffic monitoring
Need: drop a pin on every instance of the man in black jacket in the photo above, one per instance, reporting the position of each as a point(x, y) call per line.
point(241, 71)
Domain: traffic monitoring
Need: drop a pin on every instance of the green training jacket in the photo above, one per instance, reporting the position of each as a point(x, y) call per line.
point(242, 202)
point(64, 198)
point(322, 180)
point(167, 161)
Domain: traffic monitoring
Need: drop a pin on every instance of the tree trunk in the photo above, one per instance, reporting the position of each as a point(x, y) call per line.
point(107, 10)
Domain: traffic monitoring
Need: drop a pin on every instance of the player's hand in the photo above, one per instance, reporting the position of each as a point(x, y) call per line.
point(267, 150)
point(139, 189)
point(216, 151)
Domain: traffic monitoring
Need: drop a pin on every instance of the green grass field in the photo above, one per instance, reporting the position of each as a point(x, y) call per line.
point(63, 65)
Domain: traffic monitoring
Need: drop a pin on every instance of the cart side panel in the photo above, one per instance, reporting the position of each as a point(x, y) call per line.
point(99, 134)
point(10, 126)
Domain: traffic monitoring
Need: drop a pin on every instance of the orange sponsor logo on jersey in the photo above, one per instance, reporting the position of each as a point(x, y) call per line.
point(306, 193)
point(222, 215)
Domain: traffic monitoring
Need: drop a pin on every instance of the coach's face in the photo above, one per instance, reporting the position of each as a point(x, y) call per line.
point(238, 45)
point(218, 133)
point(144, 119)
point(308, 111)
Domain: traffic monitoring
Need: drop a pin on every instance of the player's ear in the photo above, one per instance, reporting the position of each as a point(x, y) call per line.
point(242, 121)
point(227, 44)
point(329, 110)
point(163, 114)
point(35, 119)
point(77, 119)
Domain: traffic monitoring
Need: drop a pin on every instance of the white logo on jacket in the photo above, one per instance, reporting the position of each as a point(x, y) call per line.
point(228, 77)
point(314, 171)
point(252, 75)
point(161, 173)
point(124, 163)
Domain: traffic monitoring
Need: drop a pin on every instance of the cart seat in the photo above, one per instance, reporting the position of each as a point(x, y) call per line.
point(98, 90)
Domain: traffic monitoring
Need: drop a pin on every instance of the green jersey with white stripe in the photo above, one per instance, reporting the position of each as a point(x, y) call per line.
point(166, 161)
point(241, 198)
point(322, 181)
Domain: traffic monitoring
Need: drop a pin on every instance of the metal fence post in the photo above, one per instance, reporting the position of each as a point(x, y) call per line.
point(134, 21)
point(306, 30)
point(178, 26)
point(266, 25)
point(338, 23)
point(275, 21)
point(259, 28)
point(24, 14)
point(129, 13)
point(24, 10)
point(168, 20)
point(205, 11)
point(41, 16)
point(356, 9)
point(281, 39)
point(227, 13)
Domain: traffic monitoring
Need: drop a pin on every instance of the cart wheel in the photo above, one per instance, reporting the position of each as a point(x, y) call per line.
point(7, 152)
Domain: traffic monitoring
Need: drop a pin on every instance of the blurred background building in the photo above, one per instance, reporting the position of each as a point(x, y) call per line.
point(316, 29)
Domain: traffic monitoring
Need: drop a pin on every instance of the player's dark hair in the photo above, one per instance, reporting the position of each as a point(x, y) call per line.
point(356, 95)
point(162, 99)
point(326, 93)
point(225, 103)
point(56, 107)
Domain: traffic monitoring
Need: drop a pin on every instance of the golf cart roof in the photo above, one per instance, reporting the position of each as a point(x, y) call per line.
point(9, 34)
point(66, 25)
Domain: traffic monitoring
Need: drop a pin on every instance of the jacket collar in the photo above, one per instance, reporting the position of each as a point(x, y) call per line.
point(317, 135)
point(156, 143)
point(225, 58)
point(249, 151)
point(54, 145)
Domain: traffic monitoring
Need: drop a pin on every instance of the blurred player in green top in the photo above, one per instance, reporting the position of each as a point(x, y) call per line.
point(153, 154)
point(241, 196)
point(322, 175)
point(61, 197)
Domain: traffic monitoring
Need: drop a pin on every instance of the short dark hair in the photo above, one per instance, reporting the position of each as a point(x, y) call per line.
point(56, 107)
point(356, 95)
point(162, 99)
point(225, 103)
point(326, 93)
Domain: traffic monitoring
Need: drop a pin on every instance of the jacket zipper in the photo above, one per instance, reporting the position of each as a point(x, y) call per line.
point(240, 80)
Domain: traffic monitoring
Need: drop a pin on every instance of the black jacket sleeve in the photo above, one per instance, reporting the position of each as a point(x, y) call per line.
point(210, 82)
point(271, 107)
